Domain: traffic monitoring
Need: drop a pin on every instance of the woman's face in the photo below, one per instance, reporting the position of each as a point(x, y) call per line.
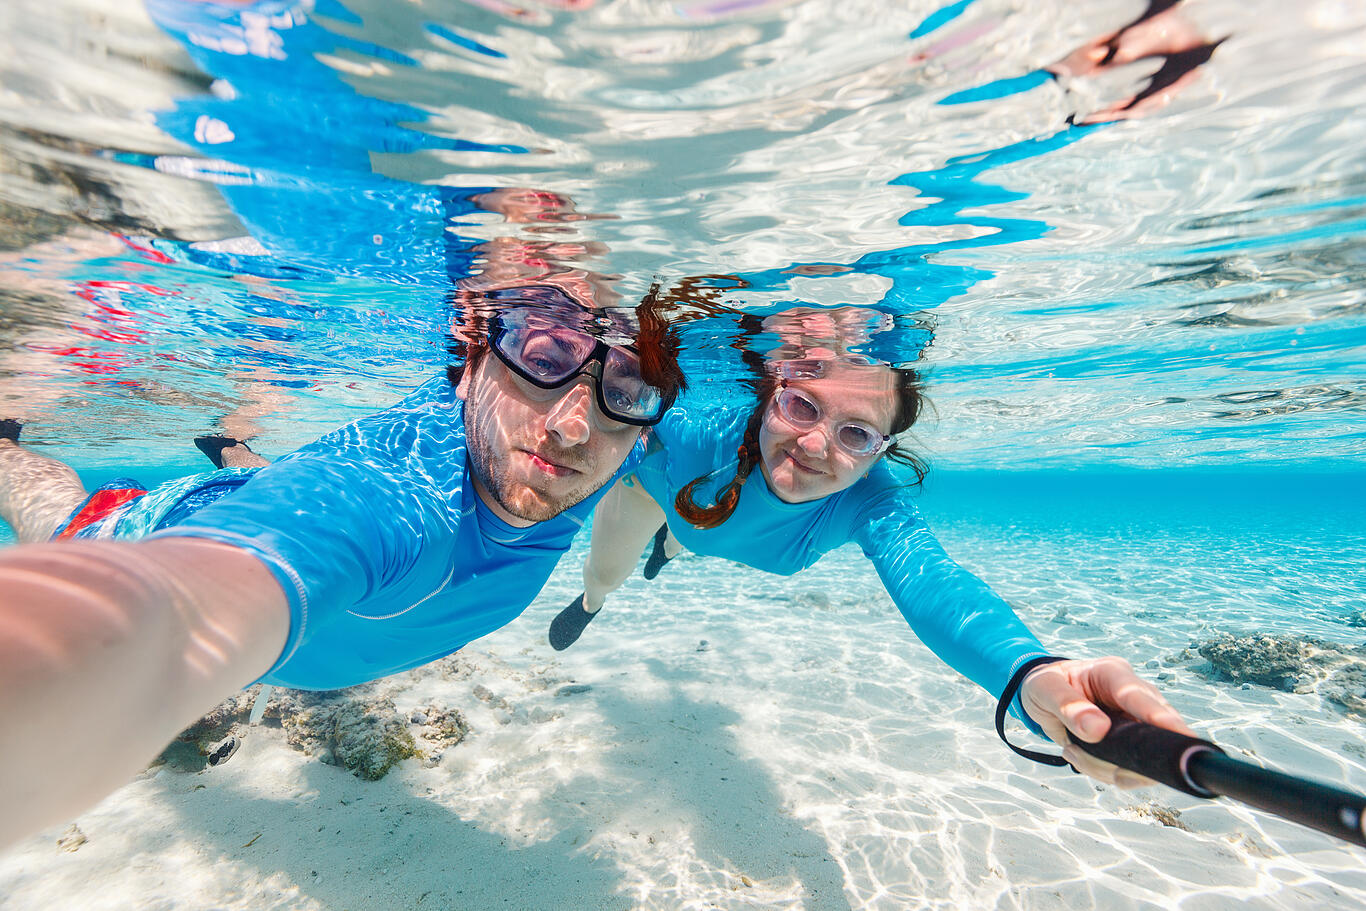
point(806, 463)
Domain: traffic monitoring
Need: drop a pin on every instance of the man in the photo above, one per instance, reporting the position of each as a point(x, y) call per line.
point(382, 546)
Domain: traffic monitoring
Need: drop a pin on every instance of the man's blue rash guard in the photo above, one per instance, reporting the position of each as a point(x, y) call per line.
point(388, 557)
point(953, 612)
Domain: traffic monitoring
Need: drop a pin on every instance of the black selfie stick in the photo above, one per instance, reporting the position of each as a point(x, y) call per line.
point(1201, 768)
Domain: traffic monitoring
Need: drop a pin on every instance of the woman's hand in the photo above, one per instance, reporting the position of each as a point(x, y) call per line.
point(1064, 698)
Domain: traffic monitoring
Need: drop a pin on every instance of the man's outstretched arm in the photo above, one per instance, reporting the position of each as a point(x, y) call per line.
point(109, 649)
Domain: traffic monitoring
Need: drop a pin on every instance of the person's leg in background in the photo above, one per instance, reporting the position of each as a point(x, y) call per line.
point(37, 493)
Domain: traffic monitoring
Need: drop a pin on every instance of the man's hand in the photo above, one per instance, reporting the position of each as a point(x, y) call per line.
point(1064, 698)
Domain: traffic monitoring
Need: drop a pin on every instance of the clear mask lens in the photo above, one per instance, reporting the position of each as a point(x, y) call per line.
point(547, 356)
point(854, 437)
point(624, 391)
point(550, 355)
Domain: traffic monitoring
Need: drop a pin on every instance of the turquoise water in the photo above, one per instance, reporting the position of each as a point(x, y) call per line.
point(1163, 291)
point(1143, 335)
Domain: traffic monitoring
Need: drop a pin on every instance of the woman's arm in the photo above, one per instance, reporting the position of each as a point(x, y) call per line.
point(957, 615)
point(107, 650)
point(972, 629)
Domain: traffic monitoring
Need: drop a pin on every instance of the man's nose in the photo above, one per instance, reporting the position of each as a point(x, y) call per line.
point(570, 417)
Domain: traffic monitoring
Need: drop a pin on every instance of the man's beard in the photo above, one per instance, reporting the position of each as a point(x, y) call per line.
point(492, 471)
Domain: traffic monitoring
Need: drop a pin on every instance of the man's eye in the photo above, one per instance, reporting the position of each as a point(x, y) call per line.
point(543, 356)
point(619, 398)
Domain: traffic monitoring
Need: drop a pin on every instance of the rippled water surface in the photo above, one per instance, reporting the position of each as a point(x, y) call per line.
point(269, 218)
point(261, 208)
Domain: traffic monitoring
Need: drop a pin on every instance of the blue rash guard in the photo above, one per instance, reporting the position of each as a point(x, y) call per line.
point(388, 557)
point(953, 612)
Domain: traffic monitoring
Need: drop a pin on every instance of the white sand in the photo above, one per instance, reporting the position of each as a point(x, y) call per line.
point(812, 755)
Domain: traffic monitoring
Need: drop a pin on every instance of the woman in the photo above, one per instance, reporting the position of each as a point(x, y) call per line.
point(822, 434)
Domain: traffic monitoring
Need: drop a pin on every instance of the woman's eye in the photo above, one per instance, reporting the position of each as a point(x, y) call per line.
point(856, 438)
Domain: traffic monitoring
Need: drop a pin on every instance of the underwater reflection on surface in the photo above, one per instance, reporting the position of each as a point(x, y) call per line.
point(1107, 236)
point(299, 186)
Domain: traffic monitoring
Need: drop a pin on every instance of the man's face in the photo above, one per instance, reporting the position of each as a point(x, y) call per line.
point(535, 454)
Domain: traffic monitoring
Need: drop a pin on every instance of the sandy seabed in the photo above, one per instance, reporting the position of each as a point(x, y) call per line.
point(799, 749)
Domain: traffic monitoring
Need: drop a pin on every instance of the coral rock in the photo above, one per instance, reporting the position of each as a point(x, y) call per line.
point(1298, 664)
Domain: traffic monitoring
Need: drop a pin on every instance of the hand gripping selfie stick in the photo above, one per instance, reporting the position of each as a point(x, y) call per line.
point(1201, 768)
